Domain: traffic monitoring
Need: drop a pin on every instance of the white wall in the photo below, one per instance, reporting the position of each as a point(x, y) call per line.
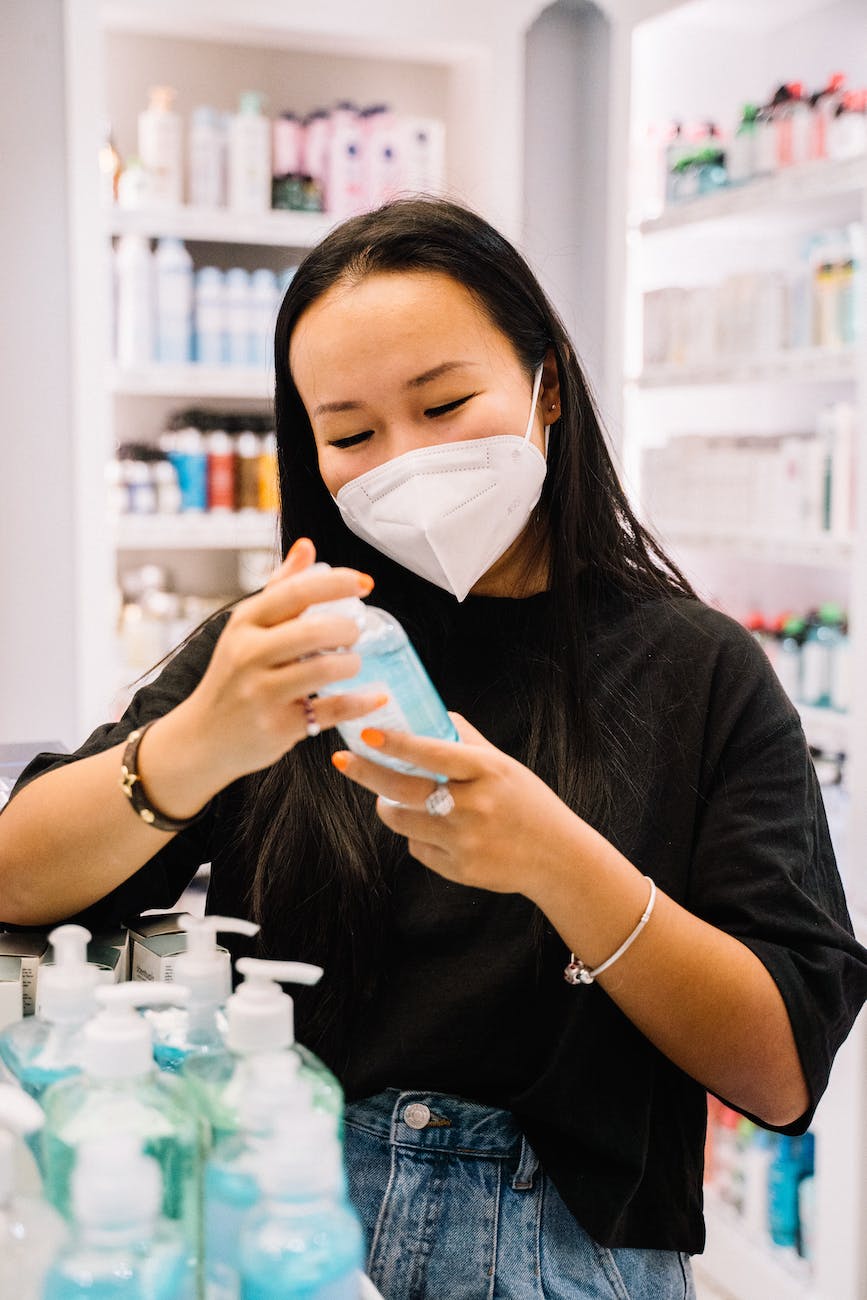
point(37, 672)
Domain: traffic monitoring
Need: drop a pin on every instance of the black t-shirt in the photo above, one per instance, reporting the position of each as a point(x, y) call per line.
point(731, 825)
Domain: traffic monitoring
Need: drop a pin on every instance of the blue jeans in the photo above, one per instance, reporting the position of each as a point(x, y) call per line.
point(455, 1207)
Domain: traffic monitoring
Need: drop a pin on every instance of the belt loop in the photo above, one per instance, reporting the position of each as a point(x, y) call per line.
point(527, 1166)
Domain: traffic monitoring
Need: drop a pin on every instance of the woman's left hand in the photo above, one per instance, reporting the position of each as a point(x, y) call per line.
point(505, 822)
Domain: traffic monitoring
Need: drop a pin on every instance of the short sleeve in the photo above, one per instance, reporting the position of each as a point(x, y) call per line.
point(160, 881)
point(763, 867)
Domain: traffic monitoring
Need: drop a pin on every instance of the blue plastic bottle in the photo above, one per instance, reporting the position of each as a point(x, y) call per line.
point(121, 1249)
point(46, 1047)
point(303, 1241)
point(783, 1180)
point(389, 664)
point(199, 1028)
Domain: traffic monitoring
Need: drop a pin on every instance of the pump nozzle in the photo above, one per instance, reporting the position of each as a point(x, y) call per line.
point(118, 1044)
point(204, 968)
point(66, 988)
point(261, 1016)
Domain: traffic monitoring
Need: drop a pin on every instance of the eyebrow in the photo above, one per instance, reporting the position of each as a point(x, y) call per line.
point(418, 382)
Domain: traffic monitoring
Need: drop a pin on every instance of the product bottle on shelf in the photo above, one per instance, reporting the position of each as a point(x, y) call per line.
point(207, 158)
point(120, 1245)
point(121, 1091)
point(160, 148)
point(789, 659)
point(186, 451)
point(263, 314)
point(783, 1180)
point(210, 347)
point(250, 156)
point(346, 166)
point(109, 168)
point(174, 301)
point(31, 1231)
point(239, 323)
point(199, 1027)
point(388, 663)
point(249, 450)
point(303, 1238)
point(269, 488)
point(135, 301)
point(46, 1047)
point(286, 146)
point(260, 1020)
point(740, 154)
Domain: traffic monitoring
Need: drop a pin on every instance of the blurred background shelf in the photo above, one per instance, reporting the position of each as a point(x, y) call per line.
point(209, 532)
point(222, 226)
point(801, 366)
point(224, 382)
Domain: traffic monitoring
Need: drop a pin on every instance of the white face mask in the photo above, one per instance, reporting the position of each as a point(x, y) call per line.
point(449, 512)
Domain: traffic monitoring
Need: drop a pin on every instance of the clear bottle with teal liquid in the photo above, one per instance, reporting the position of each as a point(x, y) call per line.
point(390, 665)
point(46, 1047)
point(31, 1231)
point(303, 1241)
point(120, 1248)
point(199, 1028)
point(121, 1092)
point(261, 1019)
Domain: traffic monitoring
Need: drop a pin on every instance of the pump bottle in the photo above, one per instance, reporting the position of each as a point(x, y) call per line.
point(120, 1246)
point(199, 1028)
point(121, 1091)
point(46, 1047)
point(31, 1231)
point(389, 664)
point(260, 1020)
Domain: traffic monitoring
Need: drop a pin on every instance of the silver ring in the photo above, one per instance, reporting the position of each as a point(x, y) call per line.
point(311, 726)
point(440, 801)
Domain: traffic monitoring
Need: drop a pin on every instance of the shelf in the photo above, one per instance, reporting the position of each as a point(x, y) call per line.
point(291, 230)
point(225, 382)
point(817, 552)
point(205, 532)
point(803, 365)
point(809, 185)
point(750, 1268)
point(826, 729)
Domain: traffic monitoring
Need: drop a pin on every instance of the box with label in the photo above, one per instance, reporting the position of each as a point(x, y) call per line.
point(11, 991)
point(154, 944)
point(31, 946)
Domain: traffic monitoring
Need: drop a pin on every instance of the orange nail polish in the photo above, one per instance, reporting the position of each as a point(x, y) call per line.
point(365, 584)
point(381, 701)
point(373, 736)
point(340, 761)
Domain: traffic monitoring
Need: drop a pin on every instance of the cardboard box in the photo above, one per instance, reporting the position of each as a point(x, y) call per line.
point(30, 946)
point(11, 991)
point(155, 942)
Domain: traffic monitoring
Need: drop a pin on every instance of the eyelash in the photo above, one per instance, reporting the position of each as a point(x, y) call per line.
point(432, 413)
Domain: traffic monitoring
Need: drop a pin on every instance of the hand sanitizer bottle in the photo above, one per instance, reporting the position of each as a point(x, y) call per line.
point(199, 1028)
point(390, 665)
point(232, 1170)
point(121, 1091)
point(46, 1047)
point(261, 1020)
point(120, 1246)
point(303, 1239)
point(31, 1231)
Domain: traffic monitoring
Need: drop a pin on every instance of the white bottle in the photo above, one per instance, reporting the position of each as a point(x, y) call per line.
point(207, 159)
point(345, 187)
point(160, 148)
point(174, 300)
point(263, 315)
point(31, 1231)
point(424, 145)
point(315, 149)
point(135, 301)
point(210, 316)
point(383, 157)
point(250, 156)
point(239, 324)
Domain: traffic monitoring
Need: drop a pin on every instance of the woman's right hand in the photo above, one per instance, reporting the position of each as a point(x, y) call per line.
point(248, 704)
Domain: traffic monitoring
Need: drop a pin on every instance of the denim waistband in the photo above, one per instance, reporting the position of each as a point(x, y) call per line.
point(438, 1122)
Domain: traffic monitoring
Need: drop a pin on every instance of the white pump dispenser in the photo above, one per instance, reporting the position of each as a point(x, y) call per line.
point(118, 1043)
point(206, 970)
point(261, 1016)
point(47, 1047)
point(30, 1230)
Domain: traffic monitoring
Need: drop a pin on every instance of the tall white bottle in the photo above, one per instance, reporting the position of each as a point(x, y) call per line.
point(207, 158)
point(250, 156)
point(31, 1231)
point(134, 270)
point(160, 148)
point(174, 302)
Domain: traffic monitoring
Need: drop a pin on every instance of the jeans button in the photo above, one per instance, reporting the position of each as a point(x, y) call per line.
point(417, 1115)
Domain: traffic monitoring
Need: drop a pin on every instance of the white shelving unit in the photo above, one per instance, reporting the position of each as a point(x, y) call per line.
point(227, 383)
point(193, 532)
point(692, 61)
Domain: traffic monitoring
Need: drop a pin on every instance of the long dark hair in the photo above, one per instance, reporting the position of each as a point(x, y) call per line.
point(319, 860)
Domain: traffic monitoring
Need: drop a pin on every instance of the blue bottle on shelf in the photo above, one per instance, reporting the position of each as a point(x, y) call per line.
point(390, 664)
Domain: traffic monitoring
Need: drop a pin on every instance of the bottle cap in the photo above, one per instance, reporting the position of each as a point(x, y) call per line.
point(20, 1115)
point(251, 101)
point(114, 1183)
point(66, 988)
point(260, 1015)
point(118, 1043)
point(205, 969)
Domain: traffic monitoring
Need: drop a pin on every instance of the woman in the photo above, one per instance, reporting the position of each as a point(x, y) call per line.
point(631, 801)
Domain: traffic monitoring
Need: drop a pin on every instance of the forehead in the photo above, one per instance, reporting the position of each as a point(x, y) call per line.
point(405, 315)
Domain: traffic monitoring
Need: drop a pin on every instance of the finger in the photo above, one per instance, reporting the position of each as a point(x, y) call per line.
point(403, 789)
point(289, 595)
point(288, 642)
point(300, 556)
point(414, 825)
point(449, 758)
point(315, 674)
point(329, 710)
point(468, 733)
